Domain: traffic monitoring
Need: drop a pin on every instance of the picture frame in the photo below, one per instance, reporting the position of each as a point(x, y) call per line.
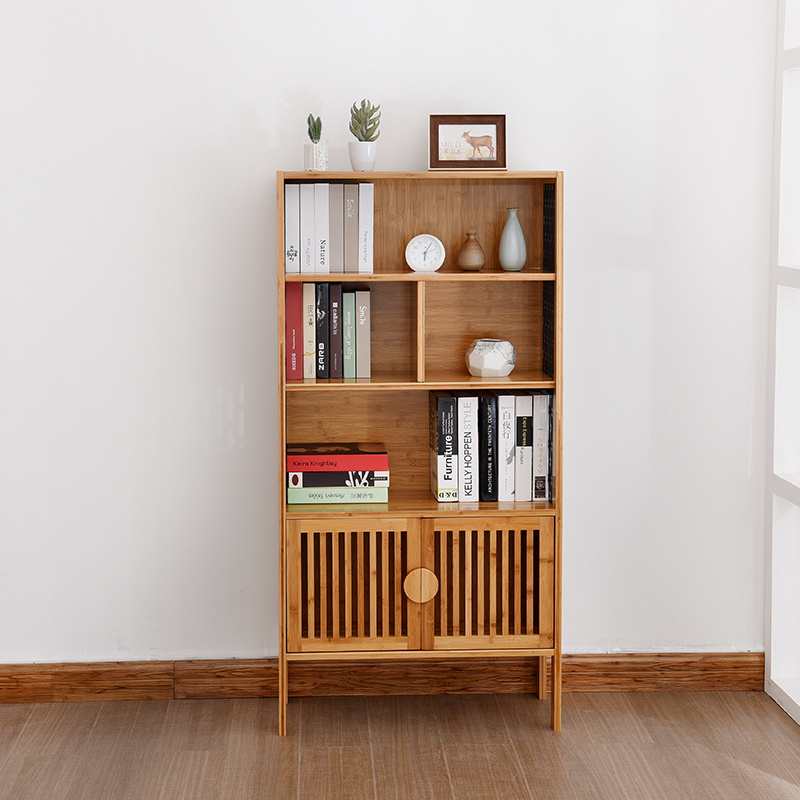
point(467, 141)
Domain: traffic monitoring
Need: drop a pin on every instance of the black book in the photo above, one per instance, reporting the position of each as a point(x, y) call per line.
point(336, 330)
point(323, 330)
point(341, 478)
point(487, 447)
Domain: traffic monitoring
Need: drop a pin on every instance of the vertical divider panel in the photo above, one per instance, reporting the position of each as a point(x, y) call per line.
point(421, 331)
point(360, 613)
point(546, 581)
point(373, 584)
point(416, 556)
point(294, 580)
point(468, 583)
point(399, 604)
point(335, 588)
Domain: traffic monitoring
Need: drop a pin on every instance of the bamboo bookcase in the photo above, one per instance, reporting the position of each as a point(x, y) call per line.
point(414, 578)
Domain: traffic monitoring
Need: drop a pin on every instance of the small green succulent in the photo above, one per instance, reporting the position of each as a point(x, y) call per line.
point(365, 121)
point(314, 128)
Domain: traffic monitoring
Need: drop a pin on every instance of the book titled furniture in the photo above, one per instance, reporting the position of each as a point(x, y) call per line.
point(411, 577)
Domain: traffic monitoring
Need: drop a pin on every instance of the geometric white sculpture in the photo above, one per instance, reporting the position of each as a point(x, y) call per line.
point(491, 358)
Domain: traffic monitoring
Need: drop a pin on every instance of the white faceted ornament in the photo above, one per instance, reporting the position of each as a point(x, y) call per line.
point(491, 358)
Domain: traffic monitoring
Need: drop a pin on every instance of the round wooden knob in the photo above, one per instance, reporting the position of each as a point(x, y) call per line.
point(420, 585)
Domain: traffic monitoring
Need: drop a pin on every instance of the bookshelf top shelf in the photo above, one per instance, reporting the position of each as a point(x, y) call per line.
point(434, 175)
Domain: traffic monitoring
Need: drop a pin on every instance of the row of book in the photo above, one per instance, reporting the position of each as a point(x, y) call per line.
point(337, 472)
point(327, 331)
point(328, 228)
point(491, 446)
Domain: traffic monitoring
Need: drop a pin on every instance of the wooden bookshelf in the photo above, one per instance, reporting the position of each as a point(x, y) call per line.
point(414, 577)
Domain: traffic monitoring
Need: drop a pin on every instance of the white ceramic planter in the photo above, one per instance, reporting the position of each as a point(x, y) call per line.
point(362, 155)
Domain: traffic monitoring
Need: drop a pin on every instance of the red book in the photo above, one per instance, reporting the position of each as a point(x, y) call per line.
point(294, 331)
point(336, 457)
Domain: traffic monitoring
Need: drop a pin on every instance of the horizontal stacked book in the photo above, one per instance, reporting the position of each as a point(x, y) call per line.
point(327, 331)
point(491, 446)
point(337, 472)
point(328, 228)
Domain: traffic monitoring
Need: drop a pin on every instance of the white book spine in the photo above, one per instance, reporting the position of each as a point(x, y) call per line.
point(291, 228)
point(523, 475)
point(322, 228)
point(309, 330)
point(337, 227)
point(365, 222)
point(541, 447)
point(307, 240)
point(506, 446)
point(468, 449)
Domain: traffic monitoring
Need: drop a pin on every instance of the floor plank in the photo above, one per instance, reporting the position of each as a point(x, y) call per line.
point(613, 746)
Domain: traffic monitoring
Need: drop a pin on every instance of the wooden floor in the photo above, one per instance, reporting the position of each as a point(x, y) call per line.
point(616, 746)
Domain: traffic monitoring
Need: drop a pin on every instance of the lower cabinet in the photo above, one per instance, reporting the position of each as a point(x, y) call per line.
point(411, 584)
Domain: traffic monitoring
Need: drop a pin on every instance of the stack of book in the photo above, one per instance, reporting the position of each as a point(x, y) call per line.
point(328, 227)
point(327, 331)
point(491, 446)
point(336, 472)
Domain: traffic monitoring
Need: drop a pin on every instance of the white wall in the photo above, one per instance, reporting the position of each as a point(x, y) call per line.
point(138, 148)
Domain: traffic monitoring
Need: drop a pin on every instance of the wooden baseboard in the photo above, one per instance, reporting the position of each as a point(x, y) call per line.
point(159, 680)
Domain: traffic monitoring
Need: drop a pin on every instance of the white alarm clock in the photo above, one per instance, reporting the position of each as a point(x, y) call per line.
point(425, 253)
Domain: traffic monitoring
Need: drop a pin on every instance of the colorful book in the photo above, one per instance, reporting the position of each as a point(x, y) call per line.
point(506, 444)
point(467, 427)
point(307, 239)
point(487, 439)
point(363, 322)
point(366, 197)
point(541, 446)
point(336, 227)
point(347, 494)
point(355, 477)
point(523, 475)
point(336, 456)
point(443, 426)
point(351, 227)
point(321, 228)
point(291, 228)
point(323, 329)
point(335, 325)
point(348, 334)
point(294, 331)
point(309, 331)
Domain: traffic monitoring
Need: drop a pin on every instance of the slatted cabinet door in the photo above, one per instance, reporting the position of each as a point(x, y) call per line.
point(496, 582)
point(345, 586)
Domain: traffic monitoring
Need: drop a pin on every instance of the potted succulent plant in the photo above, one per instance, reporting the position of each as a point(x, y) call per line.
point(365, 120)
point(315, 153)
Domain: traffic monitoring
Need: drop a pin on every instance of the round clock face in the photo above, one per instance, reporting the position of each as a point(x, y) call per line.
point(425, 253)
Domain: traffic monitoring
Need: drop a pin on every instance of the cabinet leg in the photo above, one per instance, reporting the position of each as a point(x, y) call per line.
point(555, 690)
point(283, 693)
point(542, 688)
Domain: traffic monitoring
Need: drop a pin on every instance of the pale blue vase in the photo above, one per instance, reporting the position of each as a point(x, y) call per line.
point(513, 253)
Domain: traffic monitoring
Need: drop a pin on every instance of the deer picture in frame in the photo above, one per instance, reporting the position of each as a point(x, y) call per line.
point(477, 142)
point(467, 141)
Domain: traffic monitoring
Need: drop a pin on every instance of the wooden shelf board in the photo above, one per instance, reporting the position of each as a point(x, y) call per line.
point(386, 655)
point(418, 503)
point(448, 175)
point(402, 274)
point(440, 380)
